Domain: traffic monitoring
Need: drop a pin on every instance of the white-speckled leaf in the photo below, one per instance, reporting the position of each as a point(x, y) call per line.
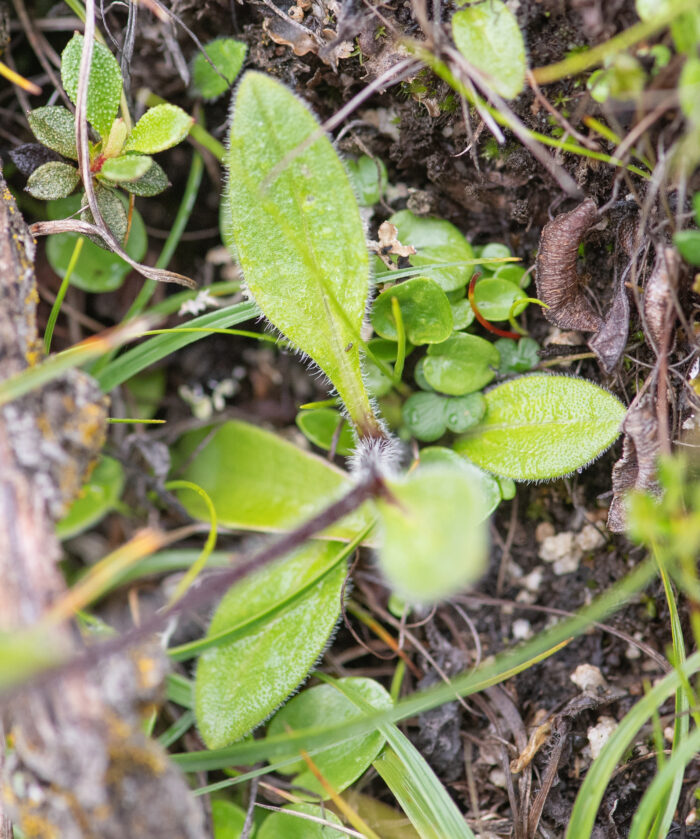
point(54, 127)
point(240, 682)
point(53, 180)
point(104, 84)
point(324, 705)
point(540, 427)
point(298, 232)
point(160, 128)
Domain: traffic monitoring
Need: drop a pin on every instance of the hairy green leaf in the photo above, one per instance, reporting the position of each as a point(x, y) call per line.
point(539, 427)
point(258, 481)
point(239, 683)
point(488, 36)
point(436, 241)
point(323, 705)
point(113, 211)
point(285, 825)
point(127, 167)
point(54, 127)
point(227, 55)
point(425, 311)
point(432, 533)
point(461, 364)
point(160, 128)
point(104, 83)
point(53, 180)
point(298, 233)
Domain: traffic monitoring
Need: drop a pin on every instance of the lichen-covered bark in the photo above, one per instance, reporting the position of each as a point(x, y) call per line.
point(79, 765)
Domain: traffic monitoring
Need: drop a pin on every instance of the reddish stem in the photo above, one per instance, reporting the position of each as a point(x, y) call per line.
point(503, 333)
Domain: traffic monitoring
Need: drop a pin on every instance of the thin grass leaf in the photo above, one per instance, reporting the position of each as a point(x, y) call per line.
point(138, 358)
point(603, 767)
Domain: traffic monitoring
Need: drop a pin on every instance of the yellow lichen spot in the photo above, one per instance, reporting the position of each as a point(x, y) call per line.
point(147, 668)
point(35, 826)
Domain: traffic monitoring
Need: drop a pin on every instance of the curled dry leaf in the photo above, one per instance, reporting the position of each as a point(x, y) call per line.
point(657, 295)
point(636, 469)
point(389, 244)
point(559, 283)
point(610, 342)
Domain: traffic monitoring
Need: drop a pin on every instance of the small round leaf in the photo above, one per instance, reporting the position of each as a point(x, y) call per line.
point(494, 298)
point(320, 426)
point(227, 55)
point(488, 36)
point(426, 312)
point(461, 364)
point(462, 314)
point(463, 412)
point(228, 820)
point(152, 183)
point(688, 244)
point(436, 241)
point(369, 178)
point(424, 414)
point(433, 538)
point(325, 705)
point(517, 357)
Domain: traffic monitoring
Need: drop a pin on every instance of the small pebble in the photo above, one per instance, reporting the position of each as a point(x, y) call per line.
point(589, 538)
point(588, 678)
point(598, 735)
point(521, 629)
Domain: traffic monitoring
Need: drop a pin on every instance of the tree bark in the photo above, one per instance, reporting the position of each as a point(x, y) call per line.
point(79, 765)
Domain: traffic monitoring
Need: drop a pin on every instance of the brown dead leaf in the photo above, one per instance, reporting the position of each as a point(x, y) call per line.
point(537, 739)
point(658, 303)
point(636, 469)
point(559, 283)
point(389, 244)
point(610, 342)
point(287, 34)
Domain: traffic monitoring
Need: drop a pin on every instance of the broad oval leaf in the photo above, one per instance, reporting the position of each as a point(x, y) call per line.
point(160, 128)
point(432, 534)
point(240, 682)
point(127, 167)
point(298, 233)
point(227, 820)
point(53, 180)
point(425, 311)
point(688, 244)
point(488, 36)
point(97, 270)
point(227, 55)
point(540, 427)
point(97, 497)
point(436, 241)
point(461, 364)
point(494, 298)
point(104, 83)
point(54, 127)
point(258, 481)
point(285, 825)
point(320, 426)
point(324, 705)
point(491, 493)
